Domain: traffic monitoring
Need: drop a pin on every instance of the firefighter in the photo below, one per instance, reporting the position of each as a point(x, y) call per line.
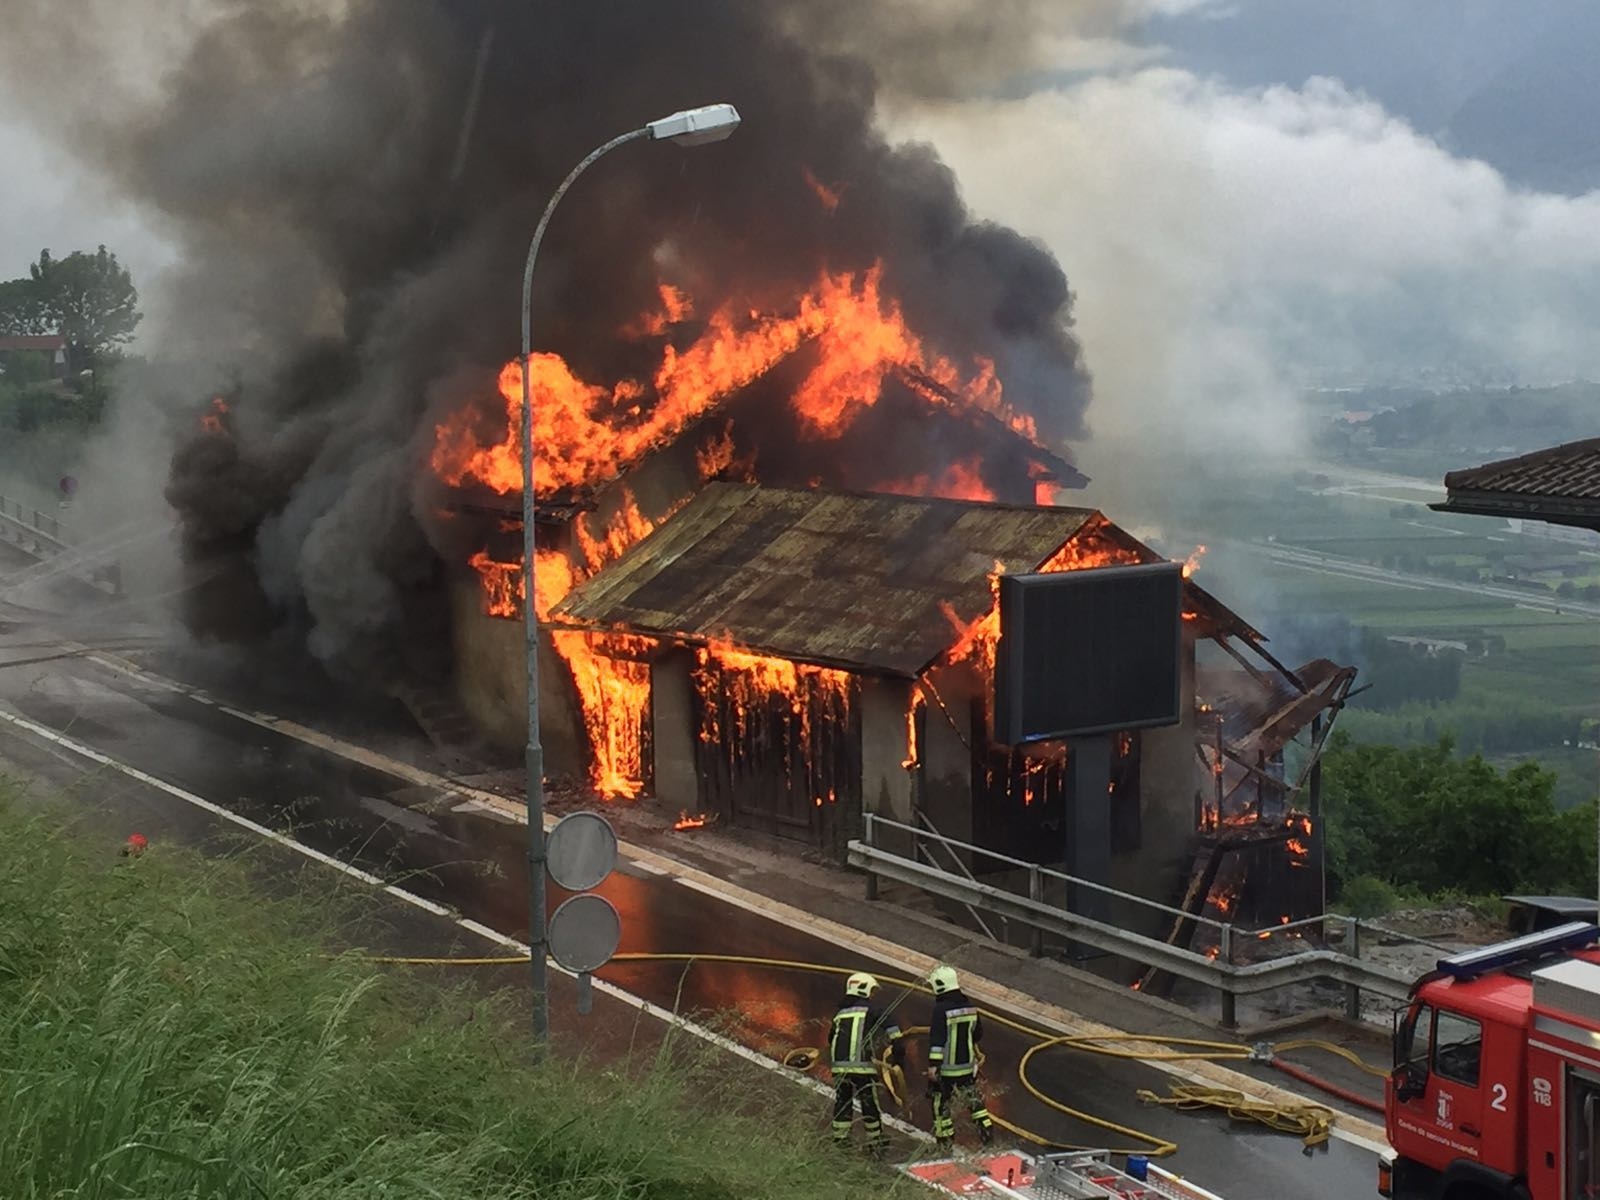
point(953, 1037)
point(860, 1030)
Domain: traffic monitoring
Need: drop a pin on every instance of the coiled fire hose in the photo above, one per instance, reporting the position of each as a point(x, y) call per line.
point(1311, 1122)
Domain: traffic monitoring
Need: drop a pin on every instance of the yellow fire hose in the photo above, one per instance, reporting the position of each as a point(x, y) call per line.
point(1311, 1122)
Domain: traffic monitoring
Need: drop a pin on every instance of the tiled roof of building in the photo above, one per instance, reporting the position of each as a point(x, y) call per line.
point(1572, 469)
point(1560, 485)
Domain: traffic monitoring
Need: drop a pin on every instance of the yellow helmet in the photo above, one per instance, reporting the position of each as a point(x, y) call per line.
point(943, 979)
point(861, 984)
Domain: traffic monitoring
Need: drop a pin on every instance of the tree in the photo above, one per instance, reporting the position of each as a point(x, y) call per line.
point(21, 310)
point(90, 298)
point(1422, 819)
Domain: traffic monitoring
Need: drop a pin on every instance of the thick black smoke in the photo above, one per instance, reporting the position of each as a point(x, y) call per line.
point(353, 243)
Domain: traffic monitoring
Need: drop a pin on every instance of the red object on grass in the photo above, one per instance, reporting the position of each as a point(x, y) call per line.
point(136, 844)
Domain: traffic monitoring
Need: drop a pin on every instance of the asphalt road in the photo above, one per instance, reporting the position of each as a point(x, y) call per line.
point(1333, 564)
point(459, 855)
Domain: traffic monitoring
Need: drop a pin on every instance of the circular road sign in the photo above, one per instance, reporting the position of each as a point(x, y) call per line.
point(580, 851)
point(585, 933)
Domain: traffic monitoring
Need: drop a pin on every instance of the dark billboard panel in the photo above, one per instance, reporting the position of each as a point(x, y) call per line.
point(1090, 651)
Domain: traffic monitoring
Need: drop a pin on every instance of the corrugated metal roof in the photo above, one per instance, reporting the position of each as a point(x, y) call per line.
point(1570, 470)
point(846, 579)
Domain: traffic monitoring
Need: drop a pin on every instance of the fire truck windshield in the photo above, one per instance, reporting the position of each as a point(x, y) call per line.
point(1458, 1046)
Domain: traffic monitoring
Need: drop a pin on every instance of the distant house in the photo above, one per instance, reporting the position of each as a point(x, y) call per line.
point(52, 345)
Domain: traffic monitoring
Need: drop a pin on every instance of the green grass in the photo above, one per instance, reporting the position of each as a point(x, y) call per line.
point(168, 1028)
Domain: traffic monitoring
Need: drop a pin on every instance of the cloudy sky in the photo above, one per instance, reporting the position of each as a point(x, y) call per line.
point(1250, 196)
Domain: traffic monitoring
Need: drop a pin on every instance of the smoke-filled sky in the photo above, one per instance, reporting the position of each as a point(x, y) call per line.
point(1247, 197)
point(1232, 229)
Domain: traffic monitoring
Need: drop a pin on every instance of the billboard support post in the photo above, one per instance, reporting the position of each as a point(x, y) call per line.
point(1088, 850)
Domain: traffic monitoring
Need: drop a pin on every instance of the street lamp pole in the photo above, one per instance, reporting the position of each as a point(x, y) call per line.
point(691, 127)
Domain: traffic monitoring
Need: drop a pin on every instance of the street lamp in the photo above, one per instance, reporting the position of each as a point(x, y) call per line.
point(691, 127)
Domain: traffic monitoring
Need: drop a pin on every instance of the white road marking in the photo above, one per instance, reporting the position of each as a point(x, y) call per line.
point(648, 868)
point(492, 935)
point(217, 810)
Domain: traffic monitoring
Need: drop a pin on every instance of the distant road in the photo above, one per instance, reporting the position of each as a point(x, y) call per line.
point(1350, 568)
point(1344, 473)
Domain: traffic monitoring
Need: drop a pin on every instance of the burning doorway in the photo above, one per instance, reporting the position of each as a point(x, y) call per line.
point(778, 745)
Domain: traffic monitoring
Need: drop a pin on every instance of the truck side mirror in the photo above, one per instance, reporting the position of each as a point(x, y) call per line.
point(1405, 1027)
point(1410, 1081)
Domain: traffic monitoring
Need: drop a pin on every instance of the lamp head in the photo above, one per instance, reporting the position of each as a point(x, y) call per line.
point(696, 126)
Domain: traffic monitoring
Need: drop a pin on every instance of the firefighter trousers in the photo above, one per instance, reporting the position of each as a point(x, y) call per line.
point(853, 1090)
point(964, 1087)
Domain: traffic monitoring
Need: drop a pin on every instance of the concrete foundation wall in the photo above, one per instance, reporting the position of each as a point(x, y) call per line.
point(885, 781)
point(677, 782)
point(491, 683)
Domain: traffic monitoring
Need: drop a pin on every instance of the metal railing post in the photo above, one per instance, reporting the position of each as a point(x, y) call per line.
point(1035, 893)
point(1230, 1017)
point(867, 837)
point(1352, 944)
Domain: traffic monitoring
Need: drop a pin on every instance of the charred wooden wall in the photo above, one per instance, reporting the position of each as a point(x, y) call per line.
point(788, 768)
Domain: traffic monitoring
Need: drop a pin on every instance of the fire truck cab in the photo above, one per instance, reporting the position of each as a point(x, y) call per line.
point(1495, 1090)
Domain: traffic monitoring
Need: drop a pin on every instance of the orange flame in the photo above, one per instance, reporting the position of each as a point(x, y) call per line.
point(627, 526)
point(959, 481)
point(586, 432)
point(685, 821)
point(827, 196)
point(912, 759)
point(502, 582)
point(675, 309)
point(715, 454)
point(211, 422)
point(977, 640)
point(747, 681)
point(613, 683)
point(1192, 563)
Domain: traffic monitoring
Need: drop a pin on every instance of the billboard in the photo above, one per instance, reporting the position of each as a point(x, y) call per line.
point(1091, 651)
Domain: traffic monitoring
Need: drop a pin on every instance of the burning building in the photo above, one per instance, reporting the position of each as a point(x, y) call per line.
point(795, 407)
point(736, 629)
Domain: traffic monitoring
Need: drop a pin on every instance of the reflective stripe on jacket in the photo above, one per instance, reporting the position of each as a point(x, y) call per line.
point(858, 1031)
point(953, 1035)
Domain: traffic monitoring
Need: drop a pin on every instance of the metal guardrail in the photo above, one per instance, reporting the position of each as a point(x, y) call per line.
point(41, 535)
point(1230, 978)
point(25, 523)
point(961, 869)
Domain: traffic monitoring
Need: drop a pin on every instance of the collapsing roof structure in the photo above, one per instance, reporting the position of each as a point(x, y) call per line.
point(1560, 485)
point(866, 582)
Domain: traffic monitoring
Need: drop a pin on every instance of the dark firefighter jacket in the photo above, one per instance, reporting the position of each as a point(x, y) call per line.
point(860, 1029)
point(953, 1035)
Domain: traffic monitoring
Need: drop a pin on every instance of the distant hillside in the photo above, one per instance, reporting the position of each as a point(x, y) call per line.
point(1438, 432)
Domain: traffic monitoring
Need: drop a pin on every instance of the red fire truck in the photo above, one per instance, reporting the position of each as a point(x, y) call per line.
point(1496, 1084)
